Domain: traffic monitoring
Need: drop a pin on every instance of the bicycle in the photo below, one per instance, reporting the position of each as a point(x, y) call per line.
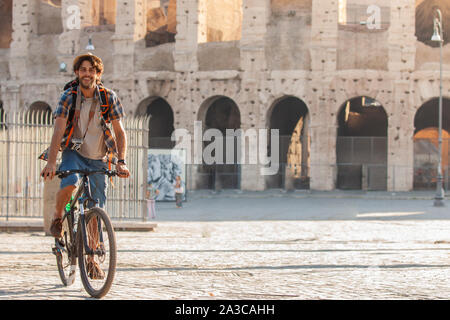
point(88, 236)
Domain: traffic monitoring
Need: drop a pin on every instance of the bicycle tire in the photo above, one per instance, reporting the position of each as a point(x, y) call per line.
point(66, 258)
point(89, 283)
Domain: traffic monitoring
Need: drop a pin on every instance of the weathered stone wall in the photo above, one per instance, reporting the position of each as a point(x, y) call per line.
point(427, 58)
point(223, 20)
point(157, 58)
point(284, 6)
point(49, 19)
point(363, 50)
point(219, 56)
point(288, 37)
point(4, 64)
point(286, 48)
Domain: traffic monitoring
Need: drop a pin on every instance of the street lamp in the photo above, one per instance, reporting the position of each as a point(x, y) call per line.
point(90, 46)
point(439, 37)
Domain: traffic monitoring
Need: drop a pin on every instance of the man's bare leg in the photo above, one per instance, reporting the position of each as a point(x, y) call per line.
point(62, 197)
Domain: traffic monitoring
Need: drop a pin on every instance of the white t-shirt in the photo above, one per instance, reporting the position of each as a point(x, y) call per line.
point(179, 189)
point(93, 146)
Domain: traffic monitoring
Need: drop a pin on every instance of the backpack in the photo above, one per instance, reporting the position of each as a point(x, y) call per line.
point(104, 108)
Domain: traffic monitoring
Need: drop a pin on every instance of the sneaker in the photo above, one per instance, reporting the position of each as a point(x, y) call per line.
point(94, 271)
point(56, 228)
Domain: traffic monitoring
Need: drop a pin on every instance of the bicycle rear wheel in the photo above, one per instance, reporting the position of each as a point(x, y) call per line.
point(66, 258)
point(98, 269)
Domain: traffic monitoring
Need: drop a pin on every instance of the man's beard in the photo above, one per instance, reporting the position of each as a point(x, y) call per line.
point(90, 85)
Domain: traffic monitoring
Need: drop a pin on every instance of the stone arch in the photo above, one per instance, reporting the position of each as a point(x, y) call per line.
point(40, 112)
point(426, 155)
point(5, 23)
point(161, 123)
point(291, 116)
point(361, 145)
point(427, 115)
point(433, 96)
point(220, 113)
point(373, 86)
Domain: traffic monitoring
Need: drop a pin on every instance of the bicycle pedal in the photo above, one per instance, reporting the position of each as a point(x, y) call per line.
point(71, 277)
point(56, 251)
point(60, 243)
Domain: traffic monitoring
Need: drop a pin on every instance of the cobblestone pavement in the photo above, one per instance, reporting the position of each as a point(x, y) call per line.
point(347, 259)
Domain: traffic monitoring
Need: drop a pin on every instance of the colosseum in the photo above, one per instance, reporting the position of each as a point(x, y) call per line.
point(351, 85)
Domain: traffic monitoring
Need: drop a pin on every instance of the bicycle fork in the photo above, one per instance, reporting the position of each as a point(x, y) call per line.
point(89, 250)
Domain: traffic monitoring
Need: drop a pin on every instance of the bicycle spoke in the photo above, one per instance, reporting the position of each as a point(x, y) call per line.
point(64, 257)
point(98, 260)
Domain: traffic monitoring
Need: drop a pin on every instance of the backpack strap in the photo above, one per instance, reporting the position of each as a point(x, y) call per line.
point(104, 103)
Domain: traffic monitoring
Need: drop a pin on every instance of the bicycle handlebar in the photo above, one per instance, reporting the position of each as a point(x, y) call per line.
point(65, 173)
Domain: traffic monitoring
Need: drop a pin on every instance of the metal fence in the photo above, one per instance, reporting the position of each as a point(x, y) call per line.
point(24, 135)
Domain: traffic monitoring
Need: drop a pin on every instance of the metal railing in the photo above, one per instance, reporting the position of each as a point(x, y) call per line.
point(24, 135)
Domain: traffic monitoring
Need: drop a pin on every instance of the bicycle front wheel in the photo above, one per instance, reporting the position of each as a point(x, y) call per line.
point(97, 262)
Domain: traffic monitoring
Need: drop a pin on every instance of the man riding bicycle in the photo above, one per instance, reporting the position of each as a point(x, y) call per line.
point(82, 132)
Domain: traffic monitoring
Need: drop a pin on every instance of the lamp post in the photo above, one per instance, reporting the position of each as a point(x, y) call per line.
point(90, 45)
point(439, 37)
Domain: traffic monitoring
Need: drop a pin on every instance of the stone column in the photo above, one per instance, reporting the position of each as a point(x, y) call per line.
point(202, 21)
point(24, 25)
point(75, 15)
point(186, 40)
point(400, 138)
point(402, 52)
point(256, 14)
point(401, 36)
point(188, 13)
point(131, 27)
point(324, 36)
point(11, 97)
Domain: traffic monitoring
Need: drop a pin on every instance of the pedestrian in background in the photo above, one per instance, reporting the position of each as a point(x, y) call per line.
point(151, 195)
point(179, 190)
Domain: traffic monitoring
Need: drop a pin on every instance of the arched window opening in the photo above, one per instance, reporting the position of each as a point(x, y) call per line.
point(161, 22)
point(161, 123)
point(5, 23)
point(290, 116)
point(216, 173)
point(219, 20)
point(361, 146)
point(426, 145)
point(2, 117)
point(40, 113)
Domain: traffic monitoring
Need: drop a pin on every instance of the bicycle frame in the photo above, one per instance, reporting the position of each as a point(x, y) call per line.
point(82, 195)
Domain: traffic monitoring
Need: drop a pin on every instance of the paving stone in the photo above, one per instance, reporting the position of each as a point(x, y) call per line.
point(250, 260)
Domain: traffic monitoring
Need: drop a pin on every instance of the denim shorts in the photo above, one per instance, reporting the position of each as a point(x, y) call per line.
point(72, 160)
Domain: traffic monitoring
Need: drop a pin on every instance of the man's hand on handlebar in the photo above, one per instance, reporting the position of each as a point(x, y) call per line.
point(122, 170)
point(49, 171)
